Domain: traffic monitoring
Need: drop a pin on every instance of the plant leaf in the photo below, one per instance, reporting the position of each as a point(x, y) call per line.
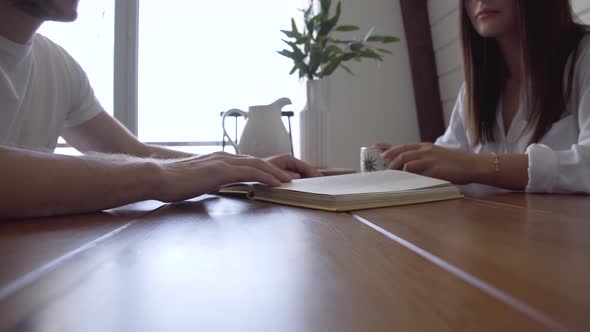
point(307, 12)
point(290, 34)
point(333, 49)
point(345, 28)
point(347, 56)
point(340, 41)
point(315, 58)
point(309, 21)
point(294, 26)
point(331, 53)
point(368, 53)
point(327, 26)
point(298, 55)
point(383, 39)
point(316, 54)
point(347, 69)
point(303, 70)
point(356, 46)
point(321, 41)
point(287, 54)
point(325, 7)
point(330, 68)
point(382, 50)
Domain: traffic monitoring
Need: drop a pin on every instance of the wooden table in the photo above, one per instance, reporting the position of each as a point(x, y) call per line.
point(491, 263)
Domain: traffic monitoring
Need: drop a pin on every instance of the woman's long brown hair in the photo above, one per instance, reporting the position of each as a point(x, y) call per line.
point(548, 35)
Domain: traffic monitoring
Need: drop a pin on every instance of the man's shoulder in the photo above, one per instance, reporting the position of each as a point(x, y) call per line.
point(46, 45)
point(47, 52)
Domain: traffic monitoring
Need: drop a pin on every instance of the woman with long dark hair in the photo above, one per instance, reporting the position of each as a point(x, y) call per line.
point(522, 118)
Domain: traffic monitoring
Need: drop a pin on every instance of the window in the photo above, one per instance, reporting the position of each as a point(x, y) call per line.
point(194, 60)
point(199, 59)
point(90, 40)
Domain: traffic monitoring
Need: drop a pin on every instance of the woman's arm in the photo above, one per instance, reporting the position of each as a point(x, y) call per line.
point(511, 173)
point(567, 170)
point(461, 167)
point(539, 169)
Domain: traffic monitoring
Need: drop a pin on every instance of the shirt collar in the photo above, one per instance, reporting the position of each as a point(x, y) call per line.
point(12, 49)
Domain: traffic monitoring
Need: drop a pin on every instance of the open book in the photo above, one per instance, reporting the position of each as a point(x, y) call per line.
point(351, 191)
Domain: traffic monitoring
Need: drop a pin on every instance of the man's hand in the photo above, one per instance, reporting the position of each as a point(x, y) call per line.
point(190, 177)
point(102, 181)
point(295, 167)
point(433, 161)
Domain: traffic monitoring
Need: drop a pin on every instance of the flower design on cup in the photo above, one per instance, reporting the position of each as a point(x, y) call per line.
point(369, 164)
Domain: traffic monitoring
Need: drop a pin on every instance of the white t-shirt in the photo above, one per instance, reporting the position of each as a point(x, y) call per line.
point(42, 90)
point(560, 162)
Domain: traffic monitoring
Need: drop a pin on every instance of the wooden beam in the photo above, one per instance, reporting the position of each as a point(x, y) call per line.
point(424, 74)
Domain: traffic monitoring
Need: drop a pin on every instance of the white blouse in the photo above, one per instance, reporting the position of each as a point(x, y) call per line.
point(560, 161)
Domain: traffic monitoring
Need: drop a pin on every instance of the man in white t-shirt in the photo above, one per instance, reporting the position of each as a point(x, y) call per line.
point(45, 94)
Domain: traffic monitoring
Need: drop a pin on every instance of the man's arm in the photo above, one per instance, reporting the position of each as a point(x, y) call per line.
point(34, 184)
point(40, 184)
point(105, 134)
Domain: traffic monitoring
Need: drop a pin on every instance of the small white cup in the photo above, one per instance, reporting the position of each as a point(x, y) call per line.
point(371, 160)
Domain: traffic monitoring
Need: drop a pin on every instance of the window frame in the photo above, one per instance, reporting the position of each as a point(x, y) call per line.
point(126, 72)
point(125, 67)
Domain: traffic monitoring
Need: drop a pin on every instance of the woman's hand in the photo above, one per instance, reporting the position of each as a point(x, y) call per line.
point(433, 161)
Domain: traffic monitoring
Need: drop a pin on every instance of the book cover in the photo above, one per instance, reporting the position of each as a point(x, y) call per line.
point(351, 191)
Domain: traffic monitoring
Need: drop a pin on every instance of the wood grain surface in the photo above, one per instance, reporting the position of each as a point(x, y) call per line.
point(226, 264)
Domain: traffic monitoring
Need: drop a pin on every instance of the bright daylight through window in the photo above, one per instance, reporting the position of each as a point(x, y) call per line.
point(197, 59)
point(90, 40)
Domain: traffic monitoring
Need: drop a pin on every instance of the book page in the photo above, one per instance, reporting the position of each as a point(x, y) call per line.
point(236, 188)
point(363, 183)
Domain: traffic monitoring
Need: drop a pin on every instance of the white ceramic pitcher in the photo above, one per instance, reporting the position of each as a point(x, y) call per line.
point(264, 134)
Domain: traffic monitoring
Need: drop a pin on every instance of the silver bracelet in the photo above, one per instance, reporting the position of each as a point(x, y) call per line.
point(496, 162)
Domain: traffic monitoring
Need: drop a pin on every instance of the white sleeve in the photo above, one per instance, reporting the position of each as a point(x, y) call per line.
point(566, 171)
point(85, 105)
point(455, 137)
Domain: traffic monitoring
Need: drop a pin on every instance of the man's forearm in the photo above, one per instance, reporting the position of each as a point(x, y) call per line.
point(142, 150)
point(163, 153)
point(40, 184)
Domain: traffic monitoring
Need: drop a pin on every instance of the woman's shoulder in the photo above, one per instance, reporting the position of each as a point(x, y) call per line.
point(580, 73)
point(581, 62)
point(582, 53)
point(461, 99)
point(584, 45)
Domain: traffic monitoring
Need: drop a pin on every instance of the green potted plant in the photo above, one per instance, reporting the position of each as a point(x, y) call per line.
point(317, 53)
point(317, 50)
